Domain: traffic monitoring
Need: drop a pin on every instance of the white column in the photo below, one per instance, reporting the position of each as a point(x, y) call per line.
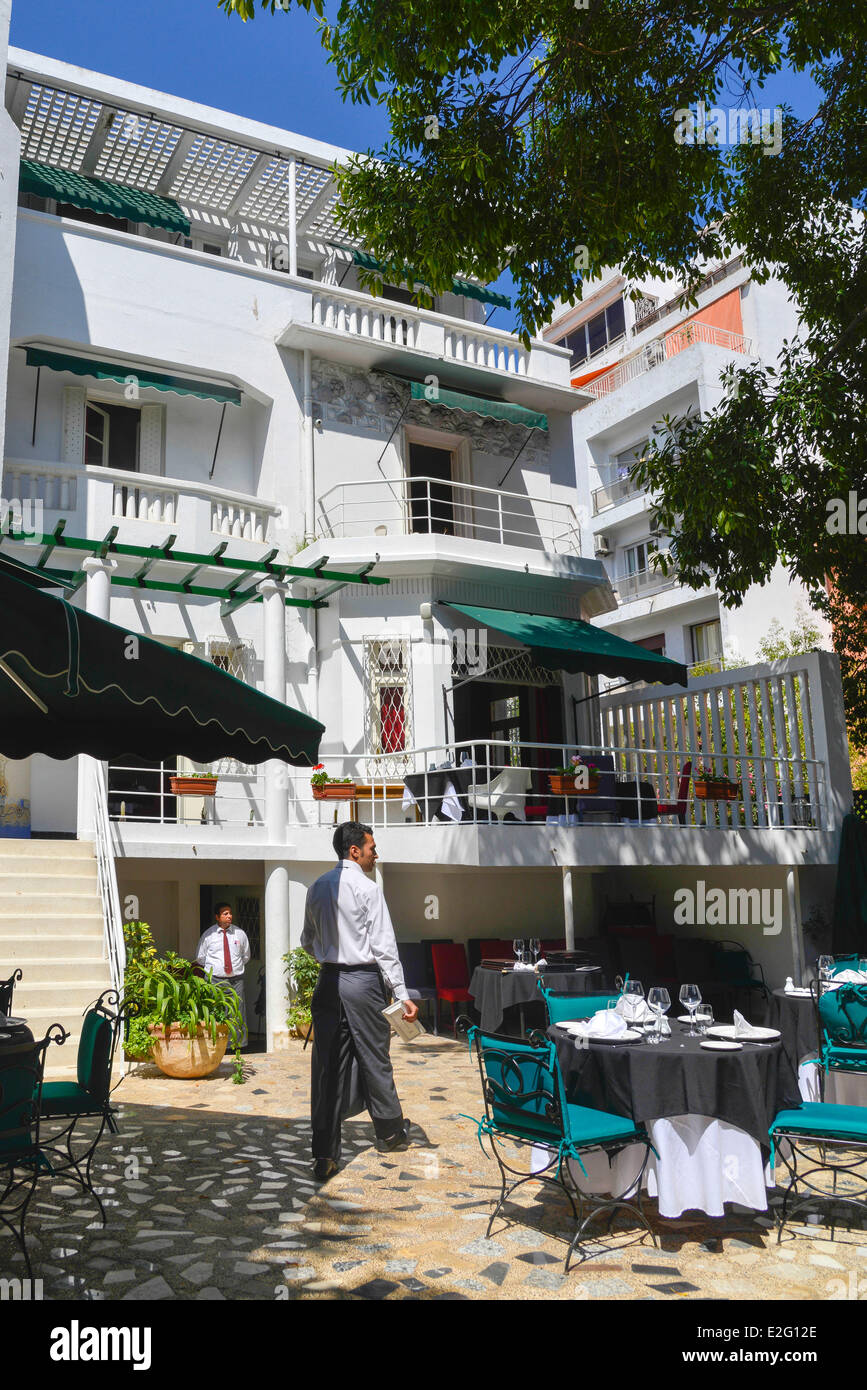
point(274, 646)
point(276, 946)
point(293, 220)
point(793, 903)
point(98, 603)
point(568, 910)
point(307, 451)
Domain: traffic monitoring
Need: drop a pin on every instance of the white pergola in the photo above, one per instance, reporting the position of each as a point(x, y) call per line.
point(208, 161)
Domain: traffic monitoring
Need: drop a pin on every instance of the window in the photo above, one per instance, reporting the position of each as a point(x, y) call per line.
point(96, 219)
point(706, 641)
point(111, 435)
point(596, 334)
point(506, 727)
point(388, 705)
point(636, 557)
point(623, 463)
point(197, 243)
point(652, 644)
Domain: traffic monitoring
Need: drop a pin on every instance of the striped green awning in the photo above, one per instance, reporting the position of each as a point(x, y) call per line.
point(477, 405)
point(412, 277)
point(99, 195)
point(145, 376)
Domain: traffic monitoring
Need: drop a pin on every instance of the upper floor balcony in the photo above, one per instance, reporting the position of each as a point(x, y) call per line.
point(641, 583)
point(612, 494)
point(661, 350)
point(433, 506)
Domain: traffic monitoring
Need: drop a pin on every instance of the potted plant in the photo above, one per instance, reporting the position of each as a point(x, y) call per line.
point(141, 955)
point(193, 1019)
point(193, 784)
point(327, 788)
point(302, 972)
point(580, 778)
point(714, 786)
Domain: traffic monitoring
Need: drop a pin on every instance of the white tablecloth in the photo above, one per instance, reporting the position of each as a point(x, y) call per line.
point(702, 1163)
point(451, 806)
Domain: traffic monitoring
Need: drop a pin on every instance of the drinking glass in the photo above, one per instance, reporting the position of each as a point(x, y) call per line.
point(535, 947)
point(518, 948)
point(826, 967)
point(690, 998)
point(633, 993)
point(660, 1002)
point(705, 1019)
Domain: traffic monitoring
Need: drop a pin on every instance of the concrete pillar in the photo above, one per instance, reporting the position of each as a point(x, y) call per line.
point(274, 647)
point(793, 903)
point(568, 910)
point(307, 451)
point(98, 603)
point(293, 219)
point(276, 946)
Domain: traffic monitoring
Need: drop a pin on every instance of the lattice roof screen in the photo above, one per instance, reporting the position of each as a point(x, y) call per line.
point(136, 150)
point(57, 127)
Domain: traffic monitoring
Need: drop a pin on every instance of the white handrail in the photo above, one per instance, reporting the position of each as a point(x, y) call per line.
point(113, 942)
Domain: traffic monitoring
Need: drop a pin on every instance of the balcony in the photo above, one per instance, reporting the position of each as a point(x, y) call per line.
point(350, 326)
point(611, 495)
point(432, 506)
point(641, 583)
point(662, 349)
point(93, 499)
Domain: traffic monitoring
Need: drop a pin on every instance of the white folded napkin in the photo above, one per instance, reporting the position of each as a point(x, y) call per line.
point(741, 1024)
point(637, 1012)
point(523, 965)
point(541, 963)
point(608, 1023)
point(849, 977)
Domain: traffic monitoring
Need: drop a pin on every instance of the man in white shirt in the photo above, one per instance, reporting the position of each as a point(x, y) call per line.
point(348, 929)
point(225, 950)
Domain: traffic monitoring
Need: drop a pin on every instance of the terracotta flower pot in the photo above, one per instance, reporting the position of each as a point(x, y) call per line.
point(177, 1054)
point(193, 786)
point(335, 791)
point(561, 784)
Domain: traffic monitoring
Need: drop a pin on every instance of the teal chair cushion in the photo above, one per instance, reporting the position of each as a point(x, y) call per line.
point(847, 1058)
point(566, 1008)
point(66, 1098)
point(588, 1126)
point(828, 1121)
point(94, 1056)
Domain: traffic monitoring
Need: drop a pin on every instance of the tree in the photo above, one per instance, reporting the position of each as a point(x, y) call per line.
point(776, 645)
point(554, 138)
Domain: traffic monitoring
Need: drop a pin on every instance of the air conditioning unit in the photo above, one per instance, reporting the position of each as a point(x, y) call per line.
point(601, 546)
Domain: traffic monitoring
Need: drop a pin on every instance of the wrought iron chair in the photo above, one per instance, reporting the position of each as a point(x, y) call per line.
point(7, 989)
point(567, 1008)
point(735, 969)
point(827, 1139)
point(842, 1027)
point(525, 1105)
point(23, 1156)
point(87, 1098)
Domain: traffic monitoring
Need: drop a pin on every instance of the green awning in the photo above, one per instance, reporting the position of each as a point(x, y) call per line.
point(568, 644)
point(111, 693)
point(145, 376)
point(478, 405)
point(100, 195)
point(412, 277)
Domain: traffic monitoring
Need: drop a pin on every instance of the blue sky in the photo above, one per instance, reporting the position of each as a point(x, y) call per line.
point(272, 69)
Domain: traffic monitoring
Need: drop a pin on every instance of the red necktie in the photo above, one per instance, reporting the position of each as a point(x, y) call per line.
point(227, 955)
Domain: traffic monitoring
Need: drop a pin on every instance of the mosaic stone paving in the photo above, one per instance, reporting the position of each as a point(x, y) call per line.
point(209, 1195)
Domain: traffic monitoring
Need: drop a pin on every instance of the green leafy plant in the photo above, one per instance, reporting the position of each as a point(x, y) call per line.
point(172, 993)
point(302, 972)
point(320, 777)
point(141, 955)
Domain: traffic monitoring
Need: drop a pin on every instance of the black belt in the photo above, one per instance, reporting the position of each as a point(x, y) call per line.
point(332, 965)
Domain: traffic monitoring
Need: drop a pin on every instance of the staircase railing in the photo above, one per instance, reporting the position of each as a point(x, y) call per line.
point(113, 943)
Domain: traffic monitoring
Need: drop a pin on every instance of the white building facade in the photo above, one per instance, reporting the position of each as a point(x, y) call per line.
point(241, 452)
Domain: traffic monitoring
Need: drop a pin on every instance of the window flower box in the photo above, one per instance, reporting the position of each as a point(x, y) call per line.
point(334, 791)
point(193, 786)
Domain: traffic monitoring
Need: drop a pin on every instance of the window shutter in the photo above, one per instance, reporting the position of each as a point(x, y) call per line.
point(74, 400)
point(151, 439)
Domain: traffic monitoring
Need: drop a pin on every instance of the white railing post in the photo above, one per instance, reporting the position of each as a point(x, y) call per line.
point(113, 942)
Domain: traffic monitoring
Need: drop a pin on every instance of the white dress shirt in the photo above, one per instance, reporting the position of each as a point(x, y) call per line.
point(210, 953)
point(346, 922)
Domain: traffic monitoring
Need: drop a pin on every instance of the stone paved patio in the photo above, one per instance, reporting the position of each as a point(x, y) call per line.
point(210, 1196)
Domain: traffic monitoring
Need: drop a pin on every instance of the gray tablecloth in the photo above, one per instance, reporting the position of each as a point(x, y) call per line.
point(676, 1077)
point(429, 788)
point(494, 991)
point(795, 1016)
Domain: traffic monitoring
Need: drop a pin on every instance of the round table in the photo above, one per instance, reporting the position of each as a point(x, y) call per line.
point(707, 1113)
point(795, 1016)
point(495, 990)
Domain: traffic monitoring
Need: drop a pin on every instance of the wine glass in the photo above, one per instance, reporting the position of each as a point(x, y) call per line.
point(690, 998)
point(535, 947)
point(826, 970)
point(633, 993)
point(518, 948)
point(705, 1018)
point(659, 1001)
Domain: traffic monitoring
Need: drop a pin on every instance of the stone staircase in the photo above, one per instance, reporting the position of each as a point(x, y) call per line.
point(51, 927)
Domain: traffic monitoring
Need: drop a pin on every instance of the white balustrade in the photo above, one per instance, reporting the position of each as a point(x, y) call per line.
point(144, 502)
point(54, 485)
point(240, 520)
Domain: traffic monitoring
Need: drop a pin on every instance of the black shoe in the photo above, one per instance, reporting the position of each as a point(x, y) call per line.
point(324, 1168)
point(397, 1143)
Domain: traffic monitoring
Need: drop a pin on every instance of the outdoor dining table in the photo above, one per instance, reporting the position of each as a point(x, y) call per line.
point(795, 1016)
point(495, 990)
point(14, 1030)
point(440, 793)
point(707, 1113)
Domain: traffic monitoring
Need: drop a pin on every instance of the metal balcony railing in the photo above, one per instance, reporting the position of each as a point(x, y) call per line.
point(613, 493)
point(650, 581)
point(659, 350)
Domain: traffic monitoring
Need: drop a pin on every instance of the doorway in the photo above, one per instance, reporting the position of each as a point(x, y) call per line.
point(245, 901)
point(431, 492)
point(511, 714)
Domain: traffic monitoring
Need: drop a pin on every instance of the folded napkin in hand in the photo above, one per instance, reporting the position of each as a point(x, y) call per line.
point(608, 1023)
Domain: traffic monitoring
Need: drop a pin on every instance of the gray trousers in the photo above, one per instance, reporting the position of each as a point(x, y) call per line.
point(236, 984)
point(351, 1069)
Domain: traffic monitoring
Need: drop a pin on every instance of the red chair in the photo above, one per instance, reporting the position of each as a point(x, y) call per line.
point(678, 808)
point(452, 977)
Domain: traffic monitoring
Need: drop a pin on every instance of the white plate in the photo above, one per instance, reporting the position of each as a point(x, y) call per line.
point(630, 1036)
point(727, 1030)
point(699, 1018)
point(723, 1046)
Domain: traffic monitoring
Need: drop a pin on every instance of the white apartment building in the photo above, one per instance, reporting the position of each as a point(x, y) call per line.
point(641, 360)
point(239, 451)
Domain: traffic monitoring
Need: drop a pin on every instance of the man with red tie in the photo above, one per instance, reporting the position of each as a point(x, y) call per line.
point(224, 951)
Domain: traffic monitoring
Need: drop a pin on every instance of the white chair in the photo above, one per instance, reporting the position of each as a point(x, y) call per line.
point(505, 792)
